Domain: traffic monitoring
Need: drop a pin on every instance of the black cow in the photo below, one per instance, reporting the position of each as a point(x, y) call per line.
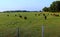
point(20, 16)
point(43, 14)
point(45, 17)
point(7, 15)
point(35, 14)
point(25, 17)
point(15, 15)
point(56, 15)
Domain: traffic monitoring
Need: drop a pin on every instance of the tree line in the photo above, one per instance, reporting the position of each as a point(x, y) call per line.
point(54, 7)
point(20, 11)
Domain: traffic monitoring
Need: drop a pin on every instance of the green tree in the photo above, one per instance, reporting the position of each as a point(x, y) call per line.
point(55, 6)
point(45, 9)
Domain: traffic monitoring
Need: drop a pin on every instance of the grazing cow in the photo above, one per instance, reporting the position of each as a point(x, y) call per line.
point(7, 15)
point(45, 17)
point(35, 14)
point(15, 15)
point(20, 16)
point(25, 17)
point(51, 14)
point(43, 14)
point(56, 15)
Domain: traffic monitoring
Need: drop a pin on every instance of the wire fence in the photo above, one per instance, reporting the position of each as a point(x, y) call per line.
point(18, 32)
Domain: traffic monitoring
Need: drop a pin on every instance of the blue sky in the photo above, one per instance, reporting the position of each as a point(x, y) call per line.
point(30, 5)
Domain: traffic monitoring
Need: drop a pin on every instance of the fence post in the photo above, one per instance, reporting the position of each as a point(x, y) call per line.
point(18, 32)
point(42, 31)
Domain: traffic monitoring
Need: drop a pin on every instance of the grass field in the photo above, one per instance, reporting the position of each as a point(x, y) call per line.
point(31, 27)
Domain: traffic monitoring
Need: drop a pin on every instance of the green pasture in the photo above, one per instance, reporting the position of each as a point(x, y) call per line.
point(31, 27)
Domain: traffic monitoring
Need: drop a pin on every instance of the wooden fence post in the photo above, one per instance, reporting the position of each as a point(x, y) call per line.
point(18, 32)
point(42, 31)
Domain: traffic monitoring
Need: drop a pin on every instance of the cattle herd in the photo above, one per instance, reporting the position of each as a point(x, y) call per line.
point(55, 14)
point(45, 15)
point(25, 17)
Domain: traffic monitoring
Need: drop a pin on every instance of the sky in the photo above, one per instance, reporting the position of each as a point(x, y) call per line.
point(31, 5)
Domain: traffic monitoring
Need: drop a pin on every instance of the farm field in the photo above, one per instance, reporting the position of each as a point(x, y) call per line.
point(30, 27)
